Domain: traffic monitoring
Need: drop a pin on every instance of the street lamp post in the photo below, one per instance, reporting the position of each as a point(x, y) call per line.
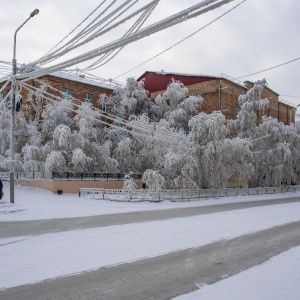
point(13, 100)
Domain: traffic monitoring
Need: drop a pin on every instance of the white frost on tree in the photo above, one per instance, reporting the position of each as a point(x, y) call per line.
point(153, 180)
point(80, 162)
point(276, 153)
point(33, 158)
point(176, 106)
point(56, 113)
point(61, 136)
point(55, 162)
point(86, 118)
point(123, 155)
point(129, 183)
point(131, 99)
point(251, 102)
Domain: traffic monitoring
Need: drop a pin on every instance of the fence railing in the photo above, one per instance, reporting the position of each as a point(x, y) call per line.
point(4, 175)
point(69, 176)
point(179, 195)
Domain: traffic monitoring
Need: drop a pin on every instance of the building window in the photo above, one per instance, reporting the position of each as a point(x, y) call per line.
point(67, 93)
point(88, 98)
point(237, 110)
point(103, 103)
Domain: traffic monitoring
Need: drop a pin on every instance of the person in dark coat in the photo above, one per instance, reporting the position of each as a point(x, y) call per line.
point(1, 189)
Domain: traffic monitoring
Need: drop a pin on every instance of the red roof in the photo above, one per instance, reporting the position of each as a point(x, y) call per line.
point(158, 81)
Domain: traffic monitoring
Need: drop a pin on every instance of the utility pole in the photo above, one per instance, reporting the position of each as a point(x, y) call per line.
point(13, 102)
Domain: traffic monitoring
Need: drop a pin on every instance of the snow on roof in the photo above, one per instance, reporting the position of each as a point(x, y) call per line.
point(287, 103)
point(179, 74)
point(83, 79)
point(106, 84)
point(183, 74)
point(223, 76)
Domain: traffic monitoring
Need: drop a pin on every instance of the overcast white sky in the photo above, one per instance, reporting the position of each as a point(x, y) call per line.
point(255, 36)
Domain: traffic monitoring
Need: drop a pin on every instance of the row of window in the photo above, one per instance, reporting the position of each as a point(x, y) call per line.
point(87, 97)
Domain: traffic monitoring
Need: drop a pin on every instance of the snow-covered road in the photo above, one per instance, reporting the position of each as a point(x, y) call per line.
point(30, 259)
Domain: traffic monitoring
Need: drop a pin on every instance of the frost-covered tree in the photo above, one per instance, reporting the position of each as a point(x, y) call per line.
point(55, 162)
point(150, 148)
point(4, 127)
point(33, 158)
point(103, 161)
point(129, 183)
point(131, 99)
point(205, 160)
point(124, 155)
point(276, 151)
point(166, 139)
point(176, 106)
point(180, 166)
point(36, 101)
point(62, 137)
point(81, 162)
point(153, 180)
point(207, 132)
point(238, 160)
point(251, 102)
point(86, 119)
point(56, 113)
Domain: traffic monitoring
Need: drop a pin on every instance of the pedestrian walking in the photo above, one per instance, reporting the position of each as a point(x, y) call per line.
point(1, 189)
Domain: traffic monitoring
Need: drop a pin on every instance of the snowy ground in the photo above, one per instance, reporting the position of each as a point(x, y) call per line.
point(277, 279)
point(36, 258)
point(37, 204)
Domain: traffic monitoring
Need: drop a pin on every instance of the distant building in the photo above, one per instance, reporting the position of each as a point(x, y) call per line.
point(77, 86)
point(219, 93)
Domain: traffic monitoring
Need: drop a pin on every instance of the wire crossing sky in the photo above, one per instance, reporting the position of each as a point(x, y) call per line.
point(76, 42)
point(253, 37)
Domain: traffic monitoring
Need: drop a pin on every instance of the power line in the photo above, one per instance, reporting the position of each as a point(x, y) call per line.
point(136, 26)
point(265, 70)
point(180, 17)
point(75, 28)
point(119, 123)
point(290, 96)
point(179, 42)
point(87, 35)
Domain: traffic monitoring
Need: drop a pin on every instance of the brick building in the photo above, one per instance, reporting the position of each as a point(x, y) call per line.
point(219, 93)
point(79, 87)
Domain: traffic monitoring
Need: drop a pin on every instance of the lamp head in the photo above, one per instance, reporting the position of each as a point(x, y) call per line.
point(35, 12)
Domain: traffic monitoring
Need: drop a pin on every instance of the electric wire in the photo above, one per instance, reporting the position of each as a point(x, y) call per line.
point(99, 32)
point(74, 42)
point(76, 37)
point(76, 27)
point(268, 69)
point(289, 96)
point(183, 16)
point(184, 39)
point(111, 125)
point(106, 115)
point(136, 26)
point(2, 89)
point(5, 85)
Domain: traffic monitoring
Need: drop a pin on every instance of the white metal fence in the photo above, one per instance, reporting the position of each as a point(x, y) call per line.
point(4, 175)
point(179, 195)
point(69, 176)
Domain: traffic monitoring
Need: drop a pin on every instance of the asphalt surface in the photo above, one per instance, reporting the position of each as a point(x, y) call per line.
point(166, 276)
point(37, 227)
